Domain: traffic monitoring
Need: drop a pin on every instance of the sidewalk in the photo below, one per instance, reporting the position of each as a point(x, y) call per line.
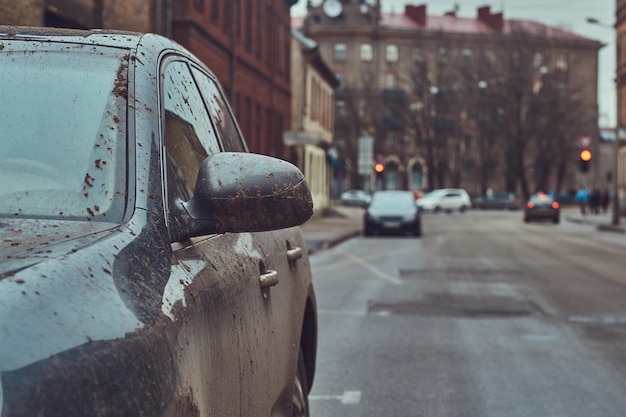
point(340, 223)
point(603, 221)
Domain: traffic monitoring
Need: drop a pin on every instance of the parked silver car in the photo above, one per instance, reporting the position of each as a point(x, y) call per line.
point(149, 265)
point(498, 200)
point(356, 198)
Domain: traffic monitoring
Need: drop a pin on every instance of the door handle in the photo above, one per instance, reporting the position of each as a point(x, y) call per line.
point(268, 279)
point(294, 254)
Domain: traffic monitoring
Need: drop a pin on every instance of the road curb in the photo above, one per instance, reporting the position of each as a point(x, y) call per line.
point(327, 244)
point(610, 228)
point(600, 227)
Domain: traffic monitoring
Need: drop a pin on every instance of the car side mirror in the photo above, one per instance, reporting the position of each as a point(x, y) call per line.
point(243, 192)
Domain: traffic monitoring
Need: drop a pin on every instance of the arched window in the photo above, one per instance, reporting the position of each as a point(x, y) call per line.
point(417, 177)
point(391, 176)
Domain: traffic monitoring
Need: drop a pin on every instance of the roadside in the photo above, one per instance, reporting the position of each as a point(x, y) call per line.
point(602, 221)
point(340, 223)
point(337, 224)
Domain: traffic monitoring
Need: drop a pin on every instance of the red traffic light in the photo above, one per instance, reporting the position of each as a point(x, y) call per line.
point(585, 155)
point(379, 168)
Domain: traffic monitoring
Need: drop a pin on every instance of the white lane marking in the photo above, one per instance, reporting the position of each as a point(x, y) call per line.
point(347, 398)
point(373, 269)
point(345, 262)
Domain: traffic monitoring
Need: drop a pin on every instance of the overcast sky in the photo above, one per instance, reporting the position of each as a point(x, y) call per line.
point(567, 14)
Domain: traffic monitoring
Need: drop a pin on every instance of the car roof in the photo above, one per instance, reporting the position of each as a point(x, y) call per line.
point(96, 37)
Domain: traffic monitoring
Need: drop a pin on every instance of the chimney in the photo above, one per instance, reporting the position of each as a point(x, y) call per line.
point(416, 13)
point(495, 21)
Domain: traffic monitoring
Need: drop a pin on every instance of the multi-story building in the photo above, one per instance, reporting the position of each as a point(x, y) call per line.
point(313, 108)
point(478, 103)
point(246, 43)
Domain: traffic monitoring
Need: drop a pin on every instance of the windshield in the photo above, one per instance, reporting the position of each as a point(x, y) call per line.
point(396, 200)
point(63, 131)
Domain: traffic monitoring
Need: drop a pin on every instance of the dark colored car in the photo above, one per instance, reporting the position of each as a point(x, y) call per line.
point(499, 200)
point(392, 212)
point(149, 265)
point(541, 206)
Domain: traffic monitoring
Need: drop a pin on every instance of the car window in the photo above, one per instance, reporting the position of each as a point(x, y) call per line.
point(219, 111)
point(189, 134)
point(541, 198)
point(393, 200)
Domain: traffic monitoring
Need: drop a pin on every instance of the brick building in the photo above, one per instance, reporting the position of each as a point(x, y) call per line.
point(246, 43)
point(439, 96)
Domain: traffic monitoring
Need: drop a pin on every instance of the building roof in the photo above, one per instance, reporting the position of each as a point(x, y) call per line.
point(485, 22)
point(312, 54)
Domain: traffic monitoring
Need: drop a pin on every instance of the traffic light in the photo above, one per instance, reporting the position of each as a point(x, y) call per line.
point(379, 168)
point(584, 160)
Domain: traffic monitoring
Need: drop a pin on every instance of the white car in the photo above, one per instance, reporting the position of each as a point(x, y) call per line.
point(445, 199)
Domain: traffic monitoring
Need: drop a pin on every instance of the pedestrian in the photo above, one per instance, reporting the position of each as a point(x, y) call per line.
point(594, 201)
point(582, 196)
point(605, 198)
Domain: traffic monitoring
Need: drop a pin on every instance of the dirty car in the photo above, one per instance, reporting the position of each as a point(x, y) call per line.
point(149, 264)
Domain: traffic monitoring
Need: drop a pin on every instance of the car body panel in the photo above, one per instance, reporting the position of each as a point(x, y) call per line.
point(358, 198)
point(114, 318)
point(445, 199)
point(497, 201)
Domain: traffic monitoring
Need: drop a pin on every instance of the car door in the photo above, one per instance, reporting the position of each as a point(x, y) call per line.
point(282, 254)
point(236, 337)
point(450, 200)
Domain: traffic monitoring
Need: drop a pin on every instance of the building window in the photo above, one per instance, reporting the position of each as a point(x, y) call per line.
point(538, 60)
point(281, 57)
point(248, 26)
point(417, 177)
point(392, 53)
point(340, 108)
point(418, 54)
point(215, 11)
point(561, 62)
point(366, 78)
point(340, 51)
point(443, 55)
point(367, 52)
point(468, 53)
point(391, 81)
point(342, 81)
point(270, 49)
point(198, 5)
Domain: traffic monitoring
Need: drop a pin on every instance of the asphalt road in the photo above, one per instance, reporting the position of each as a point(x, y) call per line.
point(483, 316)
